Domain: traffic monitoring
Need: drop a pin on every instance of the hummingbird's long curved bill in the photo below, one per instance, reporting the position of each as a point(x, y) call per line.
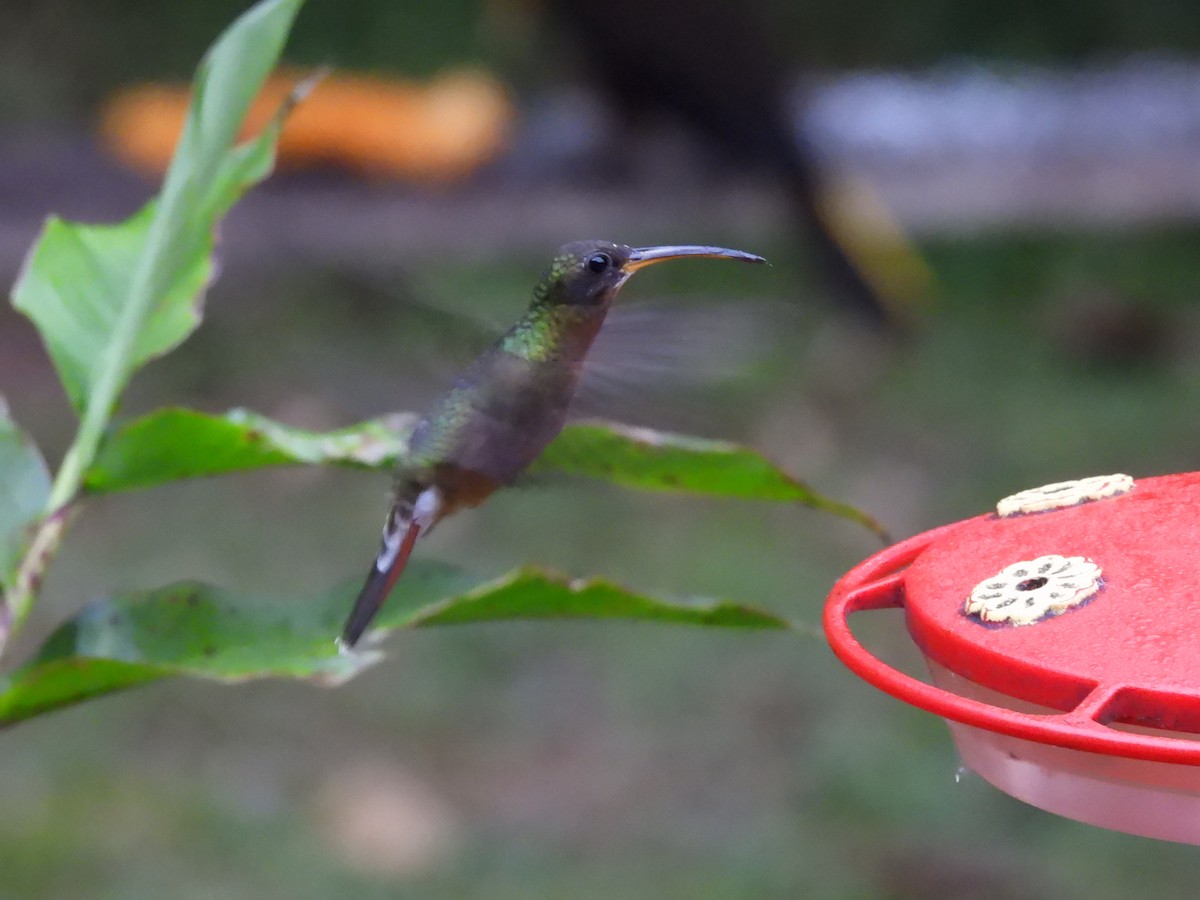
point(645, 256)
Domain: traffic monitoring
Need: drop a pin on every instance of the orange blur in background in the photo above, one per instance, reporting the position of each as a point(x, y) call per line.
point(440, 131)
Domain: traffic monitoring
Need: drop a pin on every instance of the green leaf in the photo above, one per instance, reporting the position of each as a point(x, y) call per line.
point(170, 444)
point(660, 461)
point(75, 284)
point(201, 631)
point(107, 299)
point(179, 443)
point(24, 487)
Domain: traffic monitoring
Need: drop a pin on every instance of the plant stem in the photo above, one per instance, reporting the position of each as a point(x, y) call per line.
point(19, 601)
point(229, 77)
point(113, 375)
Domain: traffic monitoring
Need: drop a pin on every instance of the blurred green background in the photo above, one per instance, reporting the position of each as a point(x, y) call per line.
point(583, 761)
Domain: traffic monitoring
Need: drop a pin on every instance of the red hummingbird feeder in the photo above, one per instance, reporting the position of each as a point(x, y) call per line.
point(1062, 637)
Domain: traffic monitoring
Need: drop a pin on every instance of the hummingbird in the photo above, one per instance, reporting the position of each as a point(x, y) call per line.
point(504, 409)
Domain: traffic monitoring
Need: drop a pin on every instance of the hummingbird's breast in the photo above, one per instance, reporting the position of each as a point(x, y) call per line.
point(497, 418)
point(504, 409)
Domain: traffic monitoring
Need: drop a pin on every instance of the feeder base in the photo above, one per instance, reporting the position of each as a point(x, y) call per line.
point(1142, 797)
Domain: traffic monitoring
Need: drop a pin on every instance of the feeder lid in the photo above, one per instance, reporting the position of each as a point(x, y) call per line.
point(1082, 598)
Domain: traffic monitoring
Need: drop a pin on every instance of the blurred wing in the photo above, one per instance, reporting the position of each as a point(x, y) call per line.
point(433, 342)
point(673, 363)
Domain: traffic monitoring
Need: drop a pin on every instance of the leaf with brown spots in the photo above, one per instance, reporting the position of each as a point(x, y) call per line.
point(205, 632)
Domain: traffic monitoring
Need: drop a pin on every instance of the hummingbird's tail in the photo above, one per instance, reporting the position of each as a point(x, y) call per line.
point(399, 535)
point(416, 510)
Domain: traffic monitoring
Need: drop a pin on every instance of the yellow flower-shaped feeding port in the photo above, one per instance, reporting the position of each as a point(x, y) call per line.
point(1062, 494)
point(1031, 590)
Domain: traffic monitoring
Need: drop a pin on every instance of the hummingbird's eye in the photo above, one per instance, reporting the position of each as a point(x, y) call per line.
point(599, 262)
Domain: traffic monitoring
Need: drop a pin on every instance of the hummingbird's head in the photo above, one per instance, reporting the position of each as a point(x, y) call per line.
point(588, 274)
point(585, 274)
